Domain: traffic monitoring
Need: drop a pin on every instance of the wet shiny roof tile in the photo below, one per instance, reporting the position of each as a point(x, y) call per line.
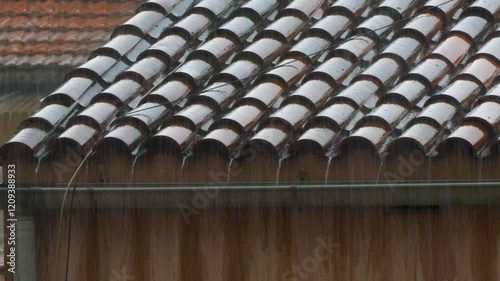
point(469, 136)
point(27, 139)
point(173, 137)
point(119, 93)
point(453, 49)
point(422, 27)
point(96, 115)
point(301, 8)
point(330, 27)
point(351, 8)
point(223, 140)
point(140, 24)
point(265, 93)
point(195, 115)
point(126, 137)
point(170, 93)
point(335, 116)
point(401, 8)
point(445, 9)
point(481, 70)
point(471, 26)
point(273, 139)
point(284, 28)
point(490, 9)
point(339, 92)
point(436, 114)
point(241, 118)
point(430, 71)
point(317, 137)
point(47, 118)
point(217, 50)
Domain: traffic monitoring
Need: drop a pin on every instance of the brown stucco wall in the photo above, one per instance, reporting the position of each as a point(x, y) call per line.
point(449, 243)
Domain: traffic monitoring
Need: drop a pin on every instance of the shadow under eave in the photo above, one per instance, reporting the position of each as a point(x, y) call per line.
point(259, 162)
point(456, 160)
point(305, 166)
point(357, 164)
point(157, 167)
point(111, 163)
point(207, 167)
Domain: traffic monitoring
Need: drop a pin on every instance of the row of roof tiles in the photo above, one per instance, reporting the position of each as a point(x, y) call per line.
point(67, 9)
point(35, 33)
point(89, 79)
point(199, 65)
point(345, 100)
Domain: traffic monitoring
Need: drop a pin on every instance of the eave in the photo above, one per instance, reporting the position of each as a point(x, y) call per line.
point(397, 195)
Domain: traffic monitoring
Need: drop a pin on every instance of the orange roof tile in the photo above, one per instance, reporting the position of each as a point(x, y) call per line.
point(54, 28)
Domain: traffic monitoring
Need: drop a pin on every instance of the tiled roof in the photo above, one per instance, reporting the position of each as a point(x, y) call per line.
point(287, 91)
point(57, 32)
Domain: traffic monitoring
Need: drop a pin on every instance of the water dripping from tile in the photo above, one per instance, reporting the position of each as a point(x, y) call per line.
point(138, 153)
point(39, 163)
point(184, 159)
point(279, 169)
point(40, 156)
point(229, 169)
point(328, 168)
point(133, 167)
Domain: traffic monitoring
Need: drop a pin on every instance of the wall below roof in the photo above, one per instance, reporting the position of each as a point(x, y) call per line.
point(450, 243)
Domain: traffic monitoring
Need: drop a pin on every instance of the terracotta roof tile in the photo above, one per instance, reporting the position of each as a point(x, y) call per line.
point(170, 92)
point(120, 93)
point(47, 118)
point(97, 115)
point(32, 30)
point(70, 91)
point(79, 137)
point(489, 9)
point(126, 137)
point(343, 81)
point(146, 116)
point(353, 9)
point(27, 140)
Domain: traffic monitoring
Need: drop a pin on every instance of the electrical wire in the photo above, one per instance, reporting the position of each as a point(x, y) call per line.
point(75, 174)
